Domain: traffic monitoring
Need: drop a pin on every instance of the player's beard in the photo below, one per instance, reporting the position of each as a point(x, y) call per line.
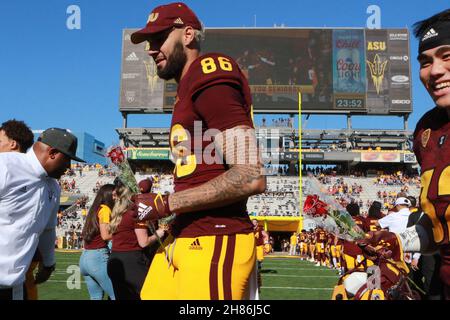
point(175, 63)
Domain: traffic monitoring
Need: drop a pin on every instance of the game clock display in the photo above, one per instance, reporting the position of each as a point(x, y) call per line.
point(349, 103)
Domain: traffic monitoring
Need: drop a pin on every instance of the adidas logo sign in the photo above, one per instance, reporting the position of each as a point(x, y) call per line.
point(178, 21)
point(195, 245)
point(132, 57)
point(430, 34)
point(143, 210)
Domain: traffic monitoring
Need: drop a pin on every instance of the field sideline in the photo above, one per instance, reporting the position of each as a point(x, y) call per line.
point(283, 279)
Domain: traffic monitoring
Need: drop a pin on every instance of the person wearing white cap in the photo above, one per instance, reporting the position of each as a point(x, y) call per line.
point(398, 220)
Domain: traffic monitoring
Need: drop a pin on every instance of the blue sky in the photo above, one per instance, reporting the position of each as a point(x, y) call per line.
point(51, 76)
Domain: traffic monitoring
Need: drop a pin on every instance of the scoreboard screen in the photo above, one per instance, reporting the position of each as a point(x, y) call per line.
point(340, 71)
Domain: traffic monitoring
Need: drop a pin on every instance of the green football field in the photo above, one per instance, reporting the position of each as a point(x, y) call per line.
point(283, 279)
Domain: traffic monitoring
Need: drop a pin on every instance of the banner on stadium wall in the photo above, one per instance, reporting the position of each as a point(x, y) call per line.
point(349, 69)
point(380, 156)
point(148, 154)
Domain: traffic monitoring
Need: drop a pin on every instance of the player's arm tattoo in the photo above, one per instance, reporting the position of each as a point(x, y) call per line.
point(237, 147)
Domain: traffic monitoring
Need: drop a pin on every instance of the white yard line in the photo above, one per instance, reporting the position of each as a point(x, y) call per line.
point(297, 288)
point(300, 269)
point(293, 276)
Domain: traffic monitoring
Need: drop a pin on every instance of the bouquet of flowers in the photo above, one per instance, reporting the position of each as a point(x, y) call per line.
point(125, 174)
point(330, 215)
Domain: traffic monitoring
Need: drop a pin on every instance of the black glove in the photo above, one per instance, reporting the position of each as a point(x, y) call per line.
point(43, 273)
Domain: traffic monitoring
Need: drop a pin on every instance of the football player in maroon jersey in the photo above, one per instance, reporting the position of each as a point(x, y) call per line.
point(373, 217)
point(432, 149)
point(217, 166)
point(353, 255)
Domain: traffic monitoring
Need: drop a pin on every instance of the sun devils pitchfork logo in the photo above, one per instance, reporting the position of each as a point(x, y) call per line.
point(377, 69)
point(152, 76)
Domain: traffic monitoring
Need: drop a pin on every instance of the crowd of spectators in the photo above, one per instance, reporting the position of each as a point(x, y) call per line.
point(397, 179)
point(279, 122)
point(68, 185)
point(70, 221)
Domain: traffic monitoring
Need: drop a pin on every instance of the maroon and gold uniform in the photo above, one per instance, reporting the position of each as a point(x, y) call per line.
point(215, 94)
point(312, 244)
point(353, 254)
point(212, 96)
point(303, 244)
point(336, 248)
point(321, 239)
point(259, 237)
point(432, 149)
point(372, 224)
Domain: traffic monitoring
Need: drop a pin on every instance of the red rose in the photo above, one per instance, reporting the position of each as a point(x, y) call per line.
point(315, 207)
point(116, 155)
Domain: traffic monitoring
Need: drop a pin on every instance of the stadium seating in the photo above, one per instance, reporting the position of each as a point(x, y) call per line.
point(280, 199)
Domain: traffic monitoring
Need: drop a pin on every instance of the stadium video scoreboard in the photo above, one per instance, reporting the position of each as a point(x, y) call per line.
point(336, 71)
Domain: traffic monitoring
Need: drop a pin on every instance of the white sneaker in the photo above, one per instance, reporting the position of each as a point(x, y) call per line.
point(317, 264)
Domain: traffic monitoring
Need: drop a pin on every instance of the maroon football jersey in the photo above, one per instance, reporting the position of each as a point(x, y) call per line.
point(212, 96)
point(259, 236)
point(360, 222)
point(432, 149)
point(303, 237)
point(371, 224)
point(350, 248)
point(330, 239)
point(321, 236)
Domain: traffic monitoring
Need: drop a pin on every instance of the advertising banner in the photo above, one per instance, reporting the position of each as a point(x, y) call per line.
point(349, 71)
point(380, 156)
point(148, 154)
